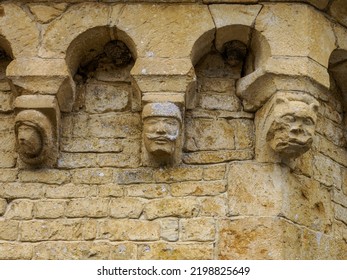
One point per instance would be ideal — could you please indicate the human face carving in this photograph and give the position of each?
(292, 129)
(160, 135)
(29, 141)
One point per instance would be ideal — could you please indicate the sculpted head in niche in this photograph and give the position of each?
(33, 136)
(161, 129)
(293, 122)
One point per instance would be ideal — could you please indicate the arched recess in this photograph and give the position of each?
(338, 83)
(88, 48)
(6, 57)
(214, 115)
(240, 49)
(106, 104)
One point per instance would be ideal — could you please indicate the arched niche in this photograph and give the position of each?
(90, 44)
(338, 72)
(248, 45)
(338, 83)
(105, 115)
(6, 57)
(88, 48)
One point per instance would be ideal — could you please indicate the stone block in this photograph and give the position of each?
(129, 158)
(74, 125)
(6, 102)
(198, 188)
(138, 19)
(15, 251)
(177, 251)
(47, 176)
(8, 175)
(244, 133)
(87, 207)
(20, 209)
(20, 190)
(45, 13)
(7, 142)
(111, 190)
(228, 16)
(85, 145)
(340, 213)
(95, 250)
(103, 98)
(56, 45)
(115, 125)
(8, 230)
(123, 251)
(332, 131)
(287, 35)
(327, 171)
(134, 176)
(97, 176)
(338, 10)
(147, 190)
(317, 246)
(208, 157)
(253, 189)
(70, 191)
(214, 206)
(24, 39)
(169, 229)
(3, 206)
(8, 159)
(213, 101)
(344, 180)
(49, 209)
(307, 203)
(214, 172)
(6, 122)
(178, 174)
(329, 149)
(135, 230)
(60, 229)
(126, 207)
(257, 238)
(77, 160)
(208, 134)
(172, 207)
(198, 229)
(223, 86)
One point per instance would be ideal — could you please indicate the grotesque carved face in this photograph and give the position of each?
(293, 127)
(29, 141)
(160, 135)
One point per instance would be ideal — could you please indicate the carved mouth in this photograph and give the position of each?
(160, 140)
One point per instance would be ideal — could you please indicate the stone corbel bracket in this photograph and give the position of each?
(300, 74)
(283, 84)
(38, 142)
(44, 77)
(162, 116)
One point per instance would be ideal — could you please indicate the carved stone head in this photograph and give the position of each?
(161, 130)
(293, 121)
(34, 136)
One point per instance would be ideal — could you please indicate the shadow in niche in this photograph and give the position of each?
(338, 83)
(109, 69)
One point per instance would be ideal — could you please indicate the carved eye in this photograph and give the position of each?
(288, 118)
(308, 121)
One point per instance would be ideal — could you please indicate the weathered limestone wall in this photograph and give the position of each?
(99, 192)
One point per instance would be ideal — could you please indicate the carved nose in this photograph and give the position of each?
(160, 129)
(297, 129)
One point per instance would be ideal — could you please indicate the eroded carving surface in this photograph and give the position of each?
(161, 131)
(293, 121)
(34, 137)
